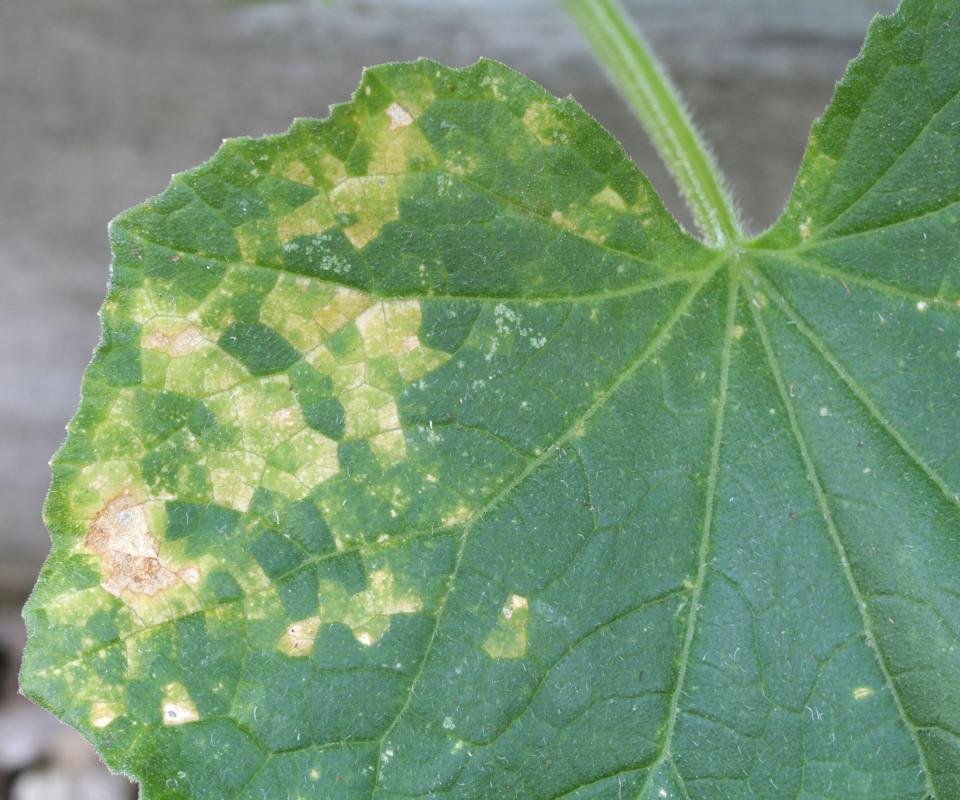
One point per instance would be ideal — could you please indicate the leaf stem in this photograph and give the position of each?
(648, 90)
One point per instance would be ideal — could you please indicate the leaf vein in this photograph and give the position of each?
(834, 534)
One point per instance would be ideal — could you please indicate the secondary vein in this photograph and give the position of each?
(827, 514)
(858, 391)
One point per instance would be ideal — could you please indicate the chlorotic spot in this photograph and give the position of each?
(609, 197)
(399, 116)
(508, 639)
(102, 714)
(177, 342)
(366, 613)
(177, 708)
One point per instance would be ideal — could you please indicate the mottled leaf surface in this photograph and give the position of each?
(425, 455)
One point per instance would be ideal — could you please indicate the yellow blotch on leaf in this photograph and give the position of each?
(385, 343)
(391, 329)
(577, 226)
(299, 637)
(609, 197)
(313, 217)
(306, 311)
(177, 707)
(371, 200)
(366, 613)
(102, 714)
(388, 330)
(76, 607)
(508, 639)
(177, 340)
(298, 172)
(333, 168)
(544, 123)
(396, 142)
(345, 305)
(234, 474)
(319, 453)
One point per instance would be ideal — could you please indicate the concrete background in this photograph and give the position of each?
(100, 100)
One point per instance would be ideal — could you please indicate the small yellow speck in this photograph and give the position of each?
(862, 692)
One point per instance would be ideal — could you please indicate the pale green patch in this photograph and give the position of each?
(294, 306)
(371, 200)
(78, 606)
(609, 196)
(598, 218)
(508, 638)
(235, 475)
(298, 172)
(544, 123)
(314, 216)
(203, 372)
(460, 513)
(345, 305)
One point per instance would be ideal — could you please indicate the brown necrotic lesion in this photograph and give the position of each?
(130, 559)
(120, 535)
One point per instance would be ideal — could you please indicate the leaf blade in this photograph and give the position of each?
(547, 504)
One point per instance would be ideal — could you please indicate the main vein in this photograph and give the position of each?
(705, 535)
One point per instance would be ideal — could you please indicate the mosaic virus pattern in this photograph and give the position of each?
(426, 456)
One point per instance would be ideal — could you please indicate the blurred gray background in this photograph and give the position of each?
(101, 100)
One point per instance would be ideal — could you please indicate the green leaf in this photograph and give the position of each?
(425, 455)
